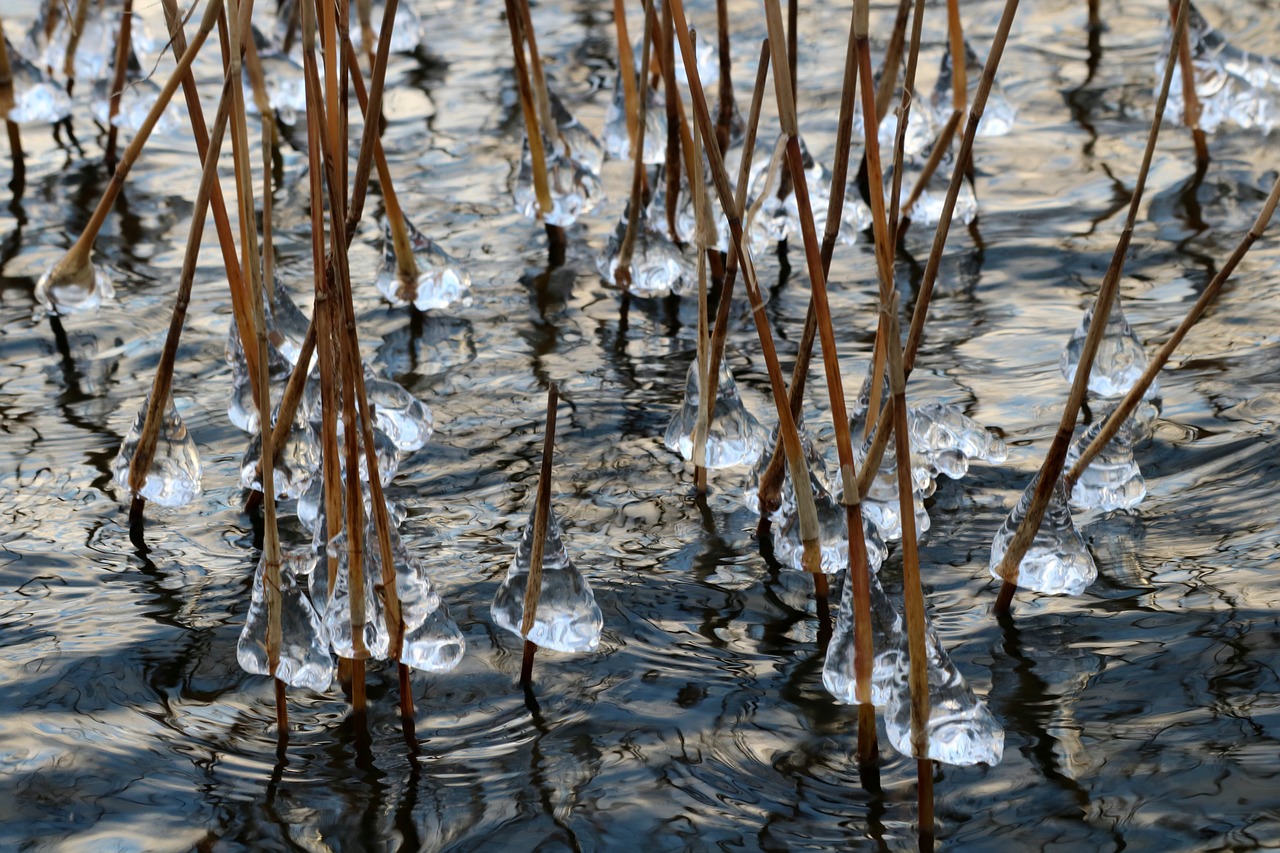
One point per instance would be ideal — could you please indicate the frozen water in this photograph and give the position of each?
(287, 326)
(999, 113)
(960, 729)
(617, 142)
(568, 618)
(573, 141)
(241, 409)
(441, 283)
(1057, 563)
(1112, 480)
(304, 648)
(36, 98)
(136, 101)
(337, 613)
(405, 419)
(735, 436)
(174, 476)
(888, 642)
(295, 463)
(84, 291)
(575, 189)
(1120, 361)
(658, 266)
(407, 33)
(948, 439)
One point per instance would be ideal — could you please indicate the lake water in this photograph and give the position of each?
(1144, 714)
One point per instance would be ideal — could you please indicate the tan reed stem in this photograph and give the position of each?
(703, 423)
(892, 58)
(805, 509)
(1134, 396)
(631, 100)
(671, 168)
(959, 58)
(904, 118)
(636, 210)
(1051, 468)
(1190, 97)
(117, 80)
(160, 386)
(541, 517)
(537, 152)
(6, 104)
(73, 40)
(74, 267)
(541, 94)
(724, 119)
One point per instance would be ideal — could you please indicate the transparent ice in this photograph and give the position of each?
(573, 141)
(432, 640)
(174, 476)
(568, 618)
(1120, 361)
(575, 189)
(442, 281)
(960, 729)
(136, 101)
(337, 612)
(304, 648)
(999, 113)
(36, 98)
(1112, 480)
(407, 34)
(241, 408)
(296, 463)
(686, 220)
(405, 419)
(735, 436)
(888, 642)
(1057, 563)
(287, 326)
(85, 291)
(658, 266)
(617, 142)
(948, 439)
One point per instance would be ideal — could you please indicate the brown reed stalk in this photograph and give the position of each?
(632, 103)
(720, 335)
(925, 290)
(406, 266)
(249, 262)
(118, 79)
(541, 517)
(959, 58)
(892, 58)
(73, 41)
(6, 104)
(217, 205)
(1054, 460)
(1134, 396)
(161, 385)
(1190, 97)
(671, 168)
(805, 509)
(724, 119)
(364, 14)
(904, 119)
(258, 82)
(636, 209)
(704, 243)
(532, 125)
(541, 93)
(74, 267)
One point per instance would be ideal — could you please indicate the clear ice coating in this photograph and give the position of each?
(407, 31)
(136, 101)
(779, 218)
(1112, 480)
(84, 291)
(735, 436)
(405, 419)
(337, 613)
(928, 207)
(573, 141)
(442, 281)
(296, 463)
(568, 618)
(1235, 87)
(881, 505)
(960, 729)
(432, 640)
(948, 439)
(311, 504)
(287, 326)
(999, 113)
(575, 189)
(304, 648)
(241, 408)
(617, 141)
(833, 535)
(1057, 563)
(36, 98)
(174, 476)
(888, 643)
(658, 267)
(286, 88)
(1121, 358)
(686, 219)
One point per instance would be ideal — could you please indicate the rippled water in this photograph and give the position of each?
(1143, 714)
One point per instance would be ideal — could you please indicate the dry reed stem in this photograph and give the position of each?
(161, 384)
(217, 205)
(74, 265)
(6, 104)
(703, 422)
(364, 14)
(542, 95)
(1134, 396)
(912, 590)
(631, 101)
(121, 64)
(959, 58)
(724, 119)
(258, 82)
(527, 105)
(636, 210)
(1054, 460)
(805, 510)
(904, 119)
(892, 58)
(73, 40)
(925, 291)
(671, 167)
(1190, 98)
(924, 804)
(541, 518)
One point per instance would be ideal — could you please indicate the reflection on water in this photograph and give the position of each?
(1140, 715)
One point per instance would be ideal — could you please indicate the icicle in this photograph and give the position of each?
(1120, 361)
(1112, 480)
(1057, 563)
(735, 437)
(174, 476)
(442, 281)
(304, 648)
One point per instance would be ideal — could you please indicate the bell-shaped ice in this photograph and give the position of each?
(304, 648)
(568, 618)
(881, 505)
(36, 98)
(960, 729)
(575, 189)
(296, 463)
(572, 140)
(405, 419)
(1120, 361)
(287, 326)
(1057, 563)
(432, 640)
(1112, 480)
(658, 266)
(441, 281)
(242, 410)
(617, 141)
(173, 479)
(338, 611)
(888, 642)
(735, 437)
(85, 290)
(999, 113)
